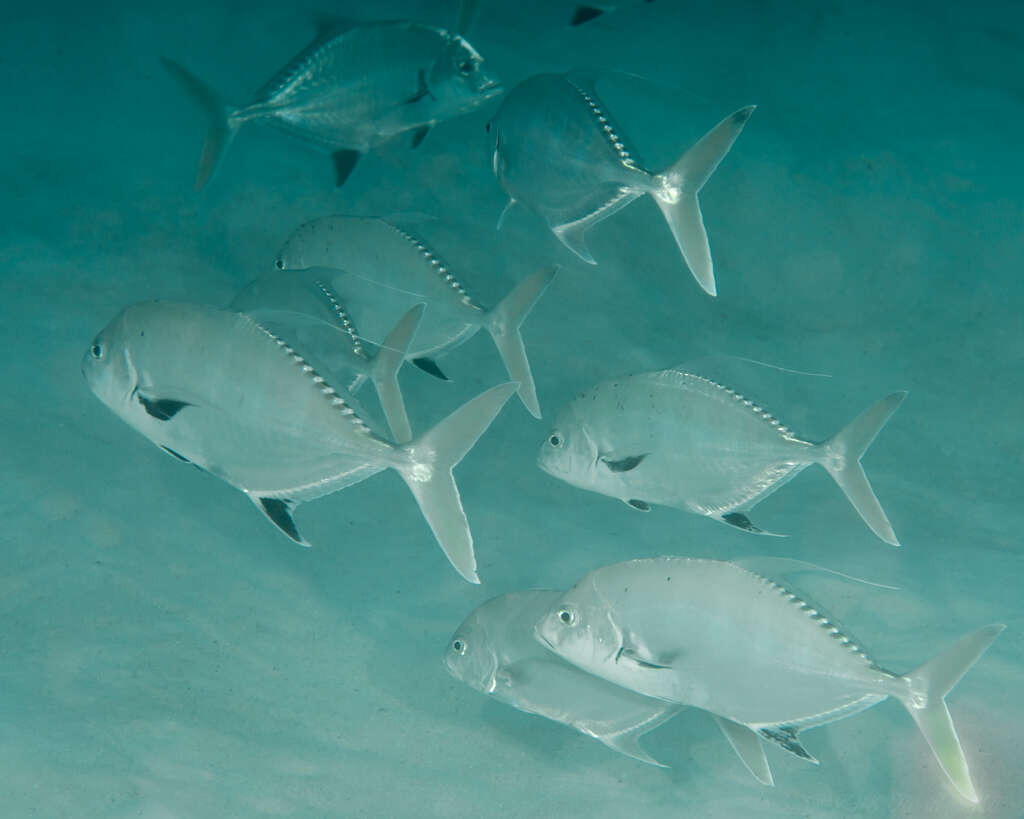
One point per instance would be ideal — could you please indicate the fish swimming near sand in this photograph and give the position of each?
(382, 269)
(678, 439)
(751, 651)
(215, 388)
(355, 86)
(495, 652)
(558, 151)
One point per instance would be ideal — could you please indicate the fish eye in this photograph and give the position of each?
(567, 616)
(96, 350)
(555, 440)
(459, 646)
(280, 264)
(487, 127)
(466, 67)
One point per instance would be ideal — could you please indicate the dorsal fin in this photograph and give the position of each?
(329, 393)
(435, 261)
(783, 430)
(585, 84)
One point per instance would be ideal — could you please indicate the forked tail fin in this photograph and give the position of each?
(926, 702)
(503, 324)
(677, 188)
(384, 372)
(221, 129)
(429, 473)
(841, 457)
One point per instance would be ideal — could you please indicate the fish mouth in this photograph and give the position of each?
(539, 636)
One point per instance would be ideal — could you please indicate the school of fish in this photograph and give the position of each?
(263, 393)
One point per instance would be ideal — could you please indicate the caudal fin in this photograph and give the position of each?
(841, 457)
(429, 473)
(221, 130)
(926, 702)
(677, 189)
(503, 324)
(384, 372)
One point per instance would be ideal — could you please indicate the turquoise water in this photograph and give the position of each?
(166, 653)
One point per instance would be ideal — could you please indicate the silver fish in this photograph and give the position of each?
(355, 86)
(382, 269)
(679, 439)
(217, 389)
(750, 651)
(314, 317)
(494, 651)
(558, 151)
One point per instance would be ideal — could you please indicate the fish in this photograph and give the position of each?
(217, 389)
(494, 651)
(751, 651)
(382, 268)
(314, 316)
(679, 439)
(585, 12)
(559, 152)
(353, 87)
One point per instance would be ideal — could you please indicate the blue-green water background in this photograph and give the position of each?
(166, 653)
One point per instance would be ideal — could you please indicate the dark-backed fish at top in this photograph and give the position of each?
(355, 86)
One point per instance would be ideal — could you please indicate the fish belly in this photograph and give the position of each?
(739, 646)
(706, 451)
(254, 408)
(261, 459)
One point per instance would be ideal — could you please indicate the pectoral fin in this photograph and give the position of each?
(643, 506)
(785, 737)
(628, 654)
(279, 512)
(741, 521)
(344, 162)
(163, 409)
(422, 91)
(747, 744)
(623, 464)
(177, 455)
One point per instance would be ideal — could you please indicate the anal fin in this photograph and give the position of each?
(785, 737)
(571, 236)
(344, 162)
(741, 521)
(418, 135)
(279, 512)
(428, 365)
(747, 745)
(628, 742)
